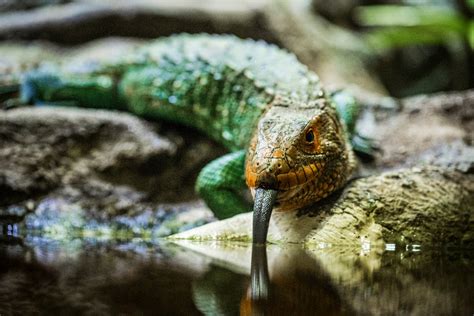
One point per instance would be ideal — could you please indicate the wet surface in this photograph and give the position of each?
(138, 277)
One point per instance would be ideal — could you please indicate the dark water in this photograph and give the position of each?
(135, 277)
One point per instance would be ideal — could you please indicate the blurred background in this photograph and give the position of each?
(394, 47)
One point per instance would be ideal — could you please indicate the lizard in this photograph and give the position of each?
(289, 140)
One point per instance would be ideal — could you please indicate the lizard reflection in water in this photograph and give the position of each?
(294, 284)
(301, 288)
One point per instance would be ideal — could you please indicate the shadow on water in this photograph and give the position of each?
(136, 277)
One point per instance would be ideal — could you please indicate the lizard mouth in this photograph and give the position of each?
(297, 187)
(283, 181)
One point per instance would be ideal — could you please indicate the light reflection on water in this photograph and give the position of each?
(90, 276)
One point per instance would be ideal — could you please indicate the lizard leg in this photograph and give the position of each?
(349, 110)
(221, 183)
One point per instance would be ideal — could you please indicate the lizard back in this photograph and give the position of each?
(219, 84)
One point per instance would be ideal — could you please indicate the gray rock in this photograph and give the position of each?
(418, 190)
(84, 168)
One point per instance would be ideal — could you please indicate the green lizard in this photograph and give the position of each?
(285, 137)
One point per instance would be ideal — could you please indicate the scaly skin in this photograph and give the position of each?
(257, 100)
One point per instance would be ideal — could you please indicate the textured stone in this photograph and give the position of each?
(427, 198)
(102, 165)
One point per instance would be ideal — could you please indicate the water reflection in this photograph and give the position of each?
(290, 280)
(298, 286)
(218, 291)
(256, 299)
(136, 277)
(77, 277)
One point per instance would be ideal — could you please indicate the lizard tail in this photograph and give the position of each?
(53, 88)
(27, 90)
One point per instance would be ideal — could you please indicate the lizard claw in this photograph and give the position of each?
(365, 147)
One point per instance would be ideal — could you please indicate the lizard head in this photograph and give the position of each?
(301, 152)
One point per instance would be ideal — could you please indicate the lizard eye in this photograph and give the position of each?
(309, 136)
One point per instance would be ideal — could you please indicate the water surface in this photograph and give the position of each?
(137, 277)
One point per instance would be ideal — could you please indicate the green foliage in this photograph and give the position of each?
(397, 26)
(471, 34)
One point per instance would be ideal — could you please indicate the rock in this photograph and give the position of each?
(13, 5)
(339, 57)
(413, 206)
(80, 21)
(433, 129)
(90, 168)
(426, 198)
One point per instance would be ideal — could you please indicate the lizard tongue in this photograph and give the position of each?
(262, 211)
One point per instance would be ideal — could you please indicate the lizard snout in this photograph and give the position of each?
(263, 173)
